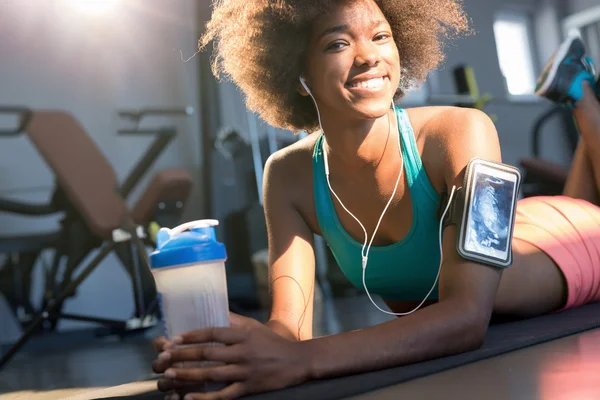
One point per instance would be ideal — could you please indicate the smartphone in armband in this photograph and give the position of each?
(486, 225)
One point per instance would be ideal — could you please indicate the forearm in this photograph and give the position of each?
(435, 331)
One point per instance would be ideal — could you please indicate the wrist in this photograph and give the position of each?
(306, 362)
(281, 330)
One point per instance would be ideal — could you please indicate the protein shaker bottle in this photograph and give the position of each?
(189, 269)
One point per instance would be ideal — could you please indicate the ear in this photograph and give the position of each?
(300, 88)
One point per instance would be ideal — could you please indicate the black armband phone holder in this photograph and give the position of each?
(455, 211)
(483, 210)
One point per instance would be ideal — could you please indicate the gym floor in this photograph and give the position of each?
(563, 369)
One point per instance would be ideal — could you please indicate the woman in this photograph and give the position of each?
(354, 58)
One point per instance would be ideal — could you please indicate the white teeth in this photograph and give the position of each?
(371, 83)
(375, 82)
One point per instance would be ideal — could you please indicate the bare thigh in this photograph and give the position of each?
(533, 285)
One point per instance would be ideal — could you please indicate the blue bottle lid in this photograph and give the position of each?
(191, 242)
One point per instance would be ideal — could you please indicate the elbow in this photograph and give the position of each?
(470, 326)
(474, 331)
(474, 341)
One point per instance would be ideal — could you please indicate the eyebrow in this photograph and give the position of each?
(334, 29)
(345, 27)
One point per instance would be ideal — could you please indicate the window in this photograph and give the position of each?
(515, 55)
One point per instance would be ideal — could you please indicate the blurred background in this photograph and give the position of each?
(114, 87)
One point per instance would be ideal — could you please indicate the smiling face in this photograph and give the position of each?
(352, 63)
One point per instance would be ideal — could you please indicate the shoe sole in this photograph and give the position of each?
(562, 52)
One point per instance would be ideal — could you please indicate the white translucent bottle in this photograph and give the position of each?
(189, 269)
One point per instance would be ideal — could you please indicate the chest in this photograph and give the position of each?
(384, 201)
(382, 204)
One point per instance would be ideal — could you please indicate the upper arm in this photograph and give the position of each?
(468, 134)
(291, 255)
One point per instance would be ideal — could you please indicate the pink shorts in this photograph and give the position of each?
(568, 230)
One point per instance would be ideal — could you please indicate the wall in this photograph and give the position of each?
(55, 57)
(574, 6)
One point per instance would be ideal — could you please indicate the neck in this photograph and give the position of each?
(359, 145)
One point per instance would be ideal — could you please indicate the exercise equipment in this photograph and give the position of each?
(164, 198)
(244, 227)
(245, 230)
(22, 252)
(162, 202)
(466, 85)
(94, 216)
(501, 338)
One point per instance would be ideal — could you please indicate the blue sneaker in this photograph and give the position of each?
(562, 78)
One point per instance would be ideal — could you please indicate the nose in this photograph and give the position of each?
(367, 54)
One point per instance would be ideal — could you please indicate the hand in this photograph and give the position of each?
(253, 359)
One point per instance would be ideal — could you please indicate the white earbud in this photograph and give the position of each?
(304, 85)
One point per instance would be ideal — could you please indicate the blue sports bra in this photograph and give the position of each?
(402, 271)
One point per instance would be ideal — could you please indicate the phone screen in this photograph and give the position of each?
(489, 215)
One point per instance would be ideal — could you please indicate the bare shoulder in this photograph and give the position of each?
(452, 136)
(289, 171)
(452, 124)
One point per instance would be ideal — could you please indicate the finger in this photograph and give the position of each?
(166, 385)
(217, 334)
(221, 373)
(227, 354)
(232, 391)
(159, 366)
(160, 343)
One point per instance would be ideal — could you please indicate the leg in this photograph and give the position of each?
(584, 179)
(542, 228)
(581, 183)
(568, 78)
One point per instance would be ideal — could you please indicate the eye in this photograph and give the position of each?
(382, 36)
(335, 46)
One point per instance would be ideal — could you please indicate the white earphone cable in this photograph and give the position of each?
(365, 254)
(438, 272)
